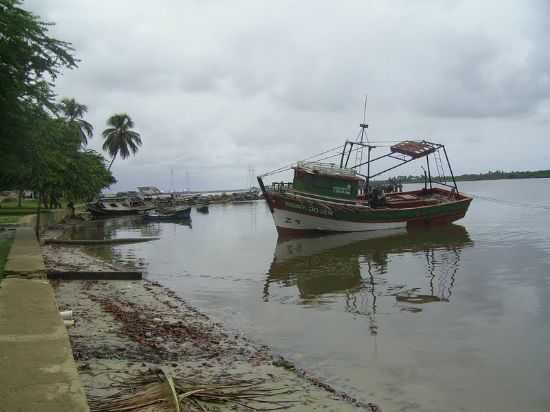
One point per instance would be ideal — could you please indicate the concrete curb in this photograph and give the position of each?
(37, 368)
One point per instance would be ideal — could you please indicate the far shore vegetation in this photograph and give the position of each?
(491, 175)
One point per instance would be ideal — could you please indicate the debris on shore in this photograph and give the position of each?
(125, 329)
(174, 393)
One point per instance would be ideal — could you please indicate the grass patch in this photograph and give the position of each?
(5, 219)
(28, 207)
(5, 245)
(25, 204)
(16, 212)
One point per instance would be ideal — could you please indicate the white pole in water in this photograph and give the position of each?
(172, 180)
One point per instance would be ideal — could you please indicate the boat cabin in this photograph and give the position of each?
(327, 180)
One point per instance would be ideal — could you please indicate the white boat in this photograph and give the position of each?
(118, 206)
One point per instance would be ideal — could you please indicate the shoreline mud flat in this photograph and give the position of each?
(125, 328)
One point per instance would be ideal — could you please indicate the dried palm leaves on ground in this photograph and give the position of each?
(157, 391)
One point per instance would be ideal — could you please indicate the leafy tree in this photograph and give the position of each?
(60, 169)
(88, 177)
(38, 151)
(74, 115)
(30, 61)
(120, 138)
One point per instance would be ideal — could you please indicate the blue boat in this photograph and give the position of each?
(168, 214)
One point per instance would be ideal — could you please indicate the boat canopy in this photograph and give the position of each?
(414, 149)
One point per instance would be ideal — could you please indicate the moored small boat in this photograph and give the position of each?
(180, 213)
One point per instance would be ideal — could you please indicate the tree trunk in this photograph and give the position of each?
(37, 226)
(19, 197)
(114, 157)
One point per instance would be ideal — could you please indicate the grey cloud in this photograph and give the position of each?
(216, 86)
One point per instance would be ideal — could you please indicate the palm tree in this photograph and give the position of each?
(119, 138)
(74, 114)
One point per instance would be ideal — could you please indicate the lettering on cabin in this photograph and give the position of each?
(342, 190)
(322, 211)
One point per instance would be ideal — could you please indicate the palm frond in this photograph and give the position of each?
(132, 146)
(157, 387)
(123, 150)
(86, 127)
(107, 132)
(72, 109)
(135, 136)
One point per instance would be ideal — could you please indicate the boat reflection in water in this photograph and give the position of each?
(363, 267)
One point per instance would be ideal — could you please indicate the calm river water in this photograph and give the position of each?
(455, 318)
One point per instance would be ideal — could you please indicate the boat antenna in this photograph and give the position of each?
(364, 126)
(362, 137)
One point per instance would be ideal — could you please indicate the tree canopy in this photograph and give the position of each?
(40, 151)
(30, 61)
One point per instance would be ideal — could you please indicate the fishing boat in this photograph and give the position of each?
(118, 206)
(343, 197)
(176, 213)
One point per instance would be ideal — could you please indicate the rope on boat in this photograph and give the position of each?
(314, 157)
(380, 143)
(511, 202)
(289, 166)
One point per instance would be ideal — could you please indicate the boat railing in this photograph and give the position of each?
(279, 187)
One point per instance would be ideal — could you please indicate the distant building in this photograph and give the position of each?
(149, 191)
(131, 193)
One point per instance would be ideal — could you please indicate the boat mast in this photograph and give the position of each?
(364, 126)
(364, 138)
(362, 141)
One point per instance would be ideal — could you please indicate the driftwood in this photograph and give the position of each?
(98, 241)
(89, 275)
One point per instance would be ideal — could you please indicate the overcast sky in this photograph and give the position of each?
(216, 87)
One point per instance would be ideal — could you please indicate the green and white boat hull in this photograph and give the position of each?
(299, 213)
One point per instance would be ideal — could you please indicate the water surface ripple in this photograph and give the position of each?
(449, 319)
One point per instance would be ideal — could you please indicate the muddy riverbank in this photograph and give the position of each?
(123, 328)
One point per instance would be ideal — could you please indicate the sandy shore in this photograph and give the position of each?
(126, 327)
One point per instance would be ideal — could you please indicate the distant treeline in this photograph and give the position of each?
(490, 175)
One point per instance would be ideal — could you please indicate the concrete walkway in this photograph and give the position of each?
(25, 258)
(37, 369)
